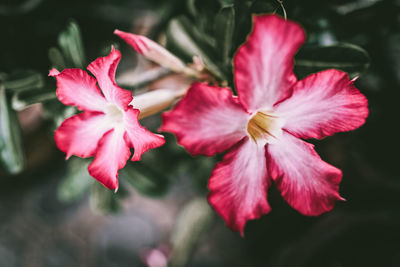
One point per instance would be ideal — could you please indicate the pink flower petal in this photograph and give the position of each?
(53, 72)
(80, 134)
(76, 87)
(104, 69)
(207, 120)
(238, 185)
(111, 156)
(322, 104)
(307, 183)
(263, 65)
(153, 51)
(138, 137)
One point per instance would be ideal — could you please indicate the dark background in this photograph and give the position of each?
(38, 230)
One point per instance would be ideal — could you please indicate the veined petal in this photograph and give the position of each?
(263, 66)
(238, 185)
(138, 137)
(112, 154)
(76, 87)
(208, 120)
(80, 134)
(103, 68)
(307, 183)
(322, 104)
(154, 52)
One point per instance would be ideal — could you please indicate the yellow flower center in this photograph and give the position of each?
(264, 127)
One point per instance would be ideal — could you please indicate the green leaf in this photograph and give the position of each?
(224, 29)
(11, 150)
(181, 36)
(70, 42)
(225, 3)
(57, 59)
(23, 99)
(144, 179)
(347, 57)
(102, 200)
(76, 180)
(23, 80)
(192, 223)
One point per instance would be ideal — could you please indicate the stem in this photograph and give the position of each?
(283, 8)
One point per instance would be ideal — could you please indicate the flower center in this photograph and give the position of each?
(114, 113)
(264, 127)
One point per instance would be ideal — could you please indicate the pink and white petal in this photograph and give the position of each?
(323, 104)
(76, 87)
(53, 72)
(307, 183)
(153, 51)
(104, 68)
(80, 134)
(138, 137)
(263, 65)
(208, 120)
(111, 156)
(238, 185)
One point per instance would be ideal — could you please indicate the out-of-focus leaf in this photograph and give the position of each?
(70, 42)
(225, 3)
(180, 37)
(23, 80)
(56, 111)
(18, 7)
(193, 221)
(191, 6)
(264, 6)
(76, 181)
(23, 99)
(103, 200)
(57, 59)
(224, 29)
(349, 58)
(242, 20)
(146, 180)
(11, 150)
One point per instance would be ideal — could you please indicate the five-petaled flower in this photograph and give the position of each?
(108, 126)
(263, 127)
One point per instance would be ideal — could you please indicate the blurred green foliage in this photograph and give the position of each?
(11, 150)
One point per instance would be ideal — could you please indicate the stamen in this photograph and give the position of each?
(262, 126)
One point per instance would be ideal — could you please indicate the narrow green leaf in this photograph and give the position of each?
(347, 57)
(11, 150)
(57, 59)
(146, 180)
(23, 99)
(191, 6)
(225, 3)
(180, 35)
(76, 180)
(192, 223)
(224, 29)
(23, 80)
(70, 42)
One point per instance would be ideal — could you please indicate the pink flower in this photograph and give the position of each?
(108, 126)
(263, 127)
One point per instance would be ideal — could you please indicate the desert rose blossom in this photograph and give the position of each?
(262, 128)
(108, 126)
